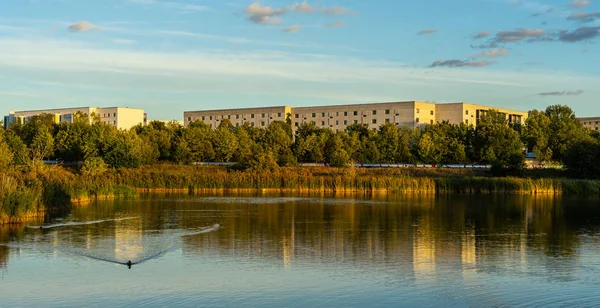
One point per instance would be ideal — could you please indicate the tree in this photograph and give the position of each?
(336, 155)
(582, 159)
(495, 140)
(393, 144)
(536, 135)
(564, 131)
(42, 145)
(199, 140)
(225, 143)
(6, 155)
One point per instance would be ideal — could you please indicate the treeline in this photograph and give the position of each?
(554, 135)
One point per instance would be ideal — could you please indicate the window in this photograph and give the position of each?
(296, 115)
(229, 117)
(374, 112)
(345, 122)
(337, 114)
(252, 116)
(262, 115)
(322, 123)
(115, 122)
(211, 126)
(431, 112)
(374, 121)
(202, 118)
(466, 112)
(387, 111)
(387, 120)
(355, 113)
(279, 114)
(189, 119)
(337, 122)
(417, 120)
(237, 116)
(467, 122)
(323, 114)
(115, 114)
(418, 110)
(431, 122)
(210, 118)
(262, 123)
(355, 121)
(237, 124)
(345, 113)
(296, 124)
(251, 124)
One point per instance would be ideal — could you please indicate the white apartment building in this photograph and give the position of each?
(120, 117)
(590, 123)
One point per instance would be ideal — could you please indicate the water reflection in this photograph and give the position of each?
(449, 245)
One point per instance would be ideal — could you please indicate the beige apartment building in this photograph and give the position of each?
(338, 117)
(120, 117)
(591, 123)
(256, 117)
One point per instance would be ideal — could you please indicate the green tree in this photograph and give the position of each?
(336, 154)
(496, 140)
(565, 131)
(536, 135)
(6, 155)
(42, 145)
(225, 143)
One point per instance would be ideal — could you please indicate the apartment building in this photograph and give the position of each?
(591, 123)
(256, 117)
(338, 117)
(120, 117)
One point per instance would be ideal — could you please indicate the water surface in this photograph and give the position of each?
(308, 251)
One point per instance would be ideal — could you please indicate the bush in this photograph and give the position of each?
(93, 166)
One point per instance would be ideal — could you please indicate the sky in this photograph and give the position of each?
(170, 56)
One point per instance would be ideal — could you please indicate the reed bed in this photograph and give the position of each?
(31, 194)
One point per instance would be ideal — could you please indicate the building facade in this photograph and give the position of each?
(338, 117)
(120, 117)
(591, 123)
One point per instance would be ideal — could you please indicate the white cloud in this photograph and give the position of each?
(263, 14)
(302, 7)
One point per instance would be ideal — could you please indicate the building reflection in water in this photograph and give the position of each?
(418, 237)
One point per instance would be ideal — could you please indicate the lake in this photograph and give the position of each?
(281, 250)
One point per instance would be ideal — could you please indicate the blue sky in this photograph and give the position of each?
(176, 55)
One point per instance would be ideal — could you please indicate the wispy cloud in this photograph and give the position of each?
(494, 53)
(335, 25)
(580, 3)
(182, 7)
(302, 7)
(482, 34)
(292, 29)
(82, 26)
(336, 11)
(460, 63)
(584, 17)
(264, 14)
(427, 31)
(562, 93)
